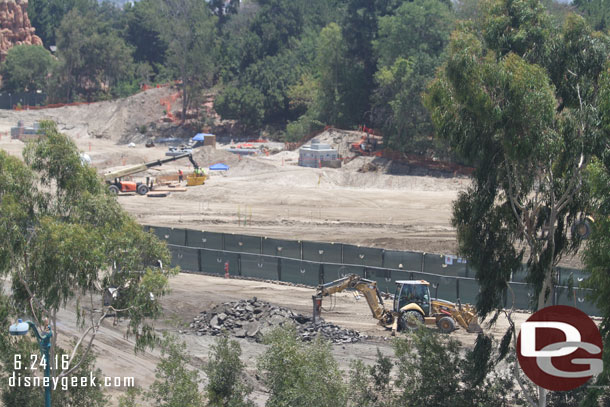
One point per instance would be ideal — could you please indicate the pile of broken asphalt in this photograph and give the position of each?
(254, 318)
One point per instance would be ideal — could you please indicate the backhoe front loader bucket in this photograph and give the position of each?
(474, 327)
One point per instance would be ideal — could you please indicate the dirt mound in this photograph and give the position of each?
(238, 166)
(340, 140)
(254, 318)
(121, 120)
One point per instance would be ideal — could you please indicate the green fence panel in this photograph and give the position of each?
(242, 243)
(383, 277)
(300, 272)
(576, 297)
(213, 262)
(259, 266)
(448, 265)
(523, 296)
(443, 287)
(196, 238)
(520, 275)
(170, 235)
(322, 252)
(584, 304)
(395, 259)
(334, 272)
(362, 256)
(207, 240)
(161, 232)
(214, 240)
(574, 275)
(177, 237)
(185, 257)
(282, 248)
(469, 291)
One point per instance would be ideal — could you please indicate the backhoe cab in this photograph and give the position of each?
(413, 303)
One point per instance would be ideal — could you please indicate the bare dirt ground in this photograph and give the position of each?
(192, 294)
(266, 196)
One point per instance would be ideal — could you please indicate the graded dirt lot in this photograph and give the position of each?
(192, 294)
(267, 196)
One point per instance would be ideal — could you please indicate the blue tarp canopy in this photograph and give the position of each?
(219, 167)
(201, 136)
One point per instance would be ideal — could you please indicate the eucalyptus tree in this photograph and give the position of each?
(65, 239)
(189, 30)
(521, 102)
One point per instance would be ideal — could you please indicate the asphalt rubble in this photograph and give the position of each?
(253, 318)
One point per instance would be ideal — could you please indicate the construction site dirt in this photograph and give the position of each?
(265, 196)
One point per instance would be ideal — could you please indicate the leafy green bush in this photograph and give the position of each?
(226, 387)
(175, 384)
(298, 374)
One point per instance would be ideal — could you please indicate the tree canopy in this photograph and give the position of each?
(65, 238)
(26, 69)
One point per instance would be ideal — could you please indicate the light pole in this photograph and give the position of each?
(44, 341)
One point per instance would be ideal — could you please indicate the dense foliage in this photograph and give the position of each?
(287, 66)
(64, 241)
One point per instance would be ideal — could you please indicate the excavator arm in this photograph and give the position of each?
(368, 288)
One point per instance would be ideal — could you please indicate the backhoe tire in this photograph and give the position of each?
(142, 189)
(113, 189)
(411, 320)
(446, 324)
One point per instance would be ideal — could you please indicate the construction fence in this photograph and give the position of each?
(313, 263)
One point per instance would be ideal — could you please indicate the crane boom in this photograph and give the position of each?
(110, 176)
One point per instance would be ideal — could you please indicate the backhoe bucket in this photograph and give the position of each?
(474, 327)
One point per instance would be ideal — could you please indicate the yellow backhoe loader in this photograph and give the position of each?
(412, 305)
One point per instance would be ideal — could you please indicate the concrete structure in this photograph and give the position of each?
(314, 154)
(25, 133)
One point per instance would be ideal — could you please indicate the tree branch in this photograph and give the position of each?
(513, 205)
(95, 329)
(529, 398)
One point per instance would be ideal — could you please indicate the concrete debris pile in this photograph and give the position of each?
(254, 318)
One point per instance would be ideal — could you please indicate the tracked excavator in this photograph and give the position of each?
(412, 306)
(116, 184)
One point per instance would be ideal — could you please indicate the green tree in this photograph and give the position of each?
(26, 68)
(226, 387)
(369, 386)
(175, 385)
(298, 374)
(529, 132)
(331, 59)
(433, 372)
(597, 13)
(64, 238)
(410, 46)
(92, 57)
(143, 33)
(189, 30)
(245, 104)
(597, 253)
(46, 15)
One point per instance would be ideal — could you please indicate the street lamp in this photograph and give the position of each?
(44, 341)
